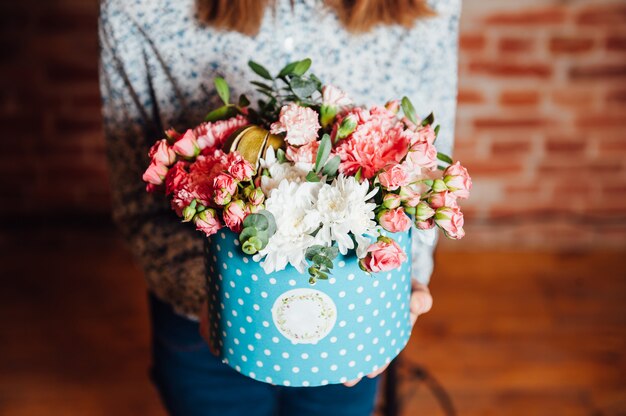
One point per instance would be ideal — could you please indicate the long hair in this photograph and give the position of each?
(356, 15)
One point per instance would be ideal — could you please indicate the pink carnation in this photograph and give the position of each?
(394, 220)
(377, 141)
(382, 256)
(212, 136)
(224, 186)
(176, 177)
(423, 155)
(303, 154)
(300, 123)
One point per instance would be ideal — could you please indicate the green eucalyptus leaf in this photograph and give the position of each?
(331, 167)
(256, 221)
(302, 88)
(323, 152)
(317, 81)
(331, 252)
(271, 227)
(222, 113)
(313, 251)
(222, 89)
(247, 233)
(260, 70)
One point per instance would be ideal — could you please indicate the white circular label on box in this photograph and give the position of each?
(304, 316)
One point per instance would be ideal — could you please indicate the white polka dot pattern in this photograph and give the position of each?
(370, 328)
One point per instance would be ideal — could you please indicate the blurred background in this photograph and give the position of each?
(530, 308)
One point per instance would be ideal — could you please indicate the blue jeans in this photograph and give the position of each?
(193, 382)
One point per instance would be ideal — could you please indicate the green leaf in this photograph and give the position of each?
(358, 175)
(288, 69)
(323, 152)
(222, 89)
(313, 251)
(262, 85)
(260, 70)
(428, 120)
(257, 221)
(243, 101)
(331, 167)
(312, 177)
(222, 113)
(444, 158)
(301, 67)
(437, 130)
(331, 252)
(409, 110)
(247, 233)
(302, 88)
(281, 156)
(271, 229)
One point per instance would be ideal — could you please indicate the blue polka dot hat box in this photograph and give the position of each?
(280, 329)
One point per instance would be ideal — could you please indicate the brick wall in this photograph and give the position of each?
(541, 121)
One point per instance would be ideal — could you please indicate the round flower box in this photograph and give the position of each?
(278, 328)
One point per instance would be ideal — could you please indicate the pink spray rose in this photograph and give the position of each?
(234, 214)
(457, 180)
(207, 222)
(224, 187)
(426, 134)
(162, 153)
(394, 220)
(443, 199)
(187, 146)
(256, 197)
(300, 123)
(155, 173)
(382, 256)
(423, 154)
(451, 222)
(426, 224)
(392, 201)
(239, 167)
(393, 177)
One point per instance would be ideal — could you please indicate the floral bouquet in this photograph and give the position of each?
(309, 187)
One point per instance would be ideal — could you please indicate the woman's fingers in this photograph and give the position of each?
(352, 383)
(378, 372)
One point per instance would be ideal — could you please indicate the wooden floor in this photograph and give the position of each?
(510, 333)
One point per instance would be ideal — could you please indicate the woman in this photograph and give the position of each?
(158, 58)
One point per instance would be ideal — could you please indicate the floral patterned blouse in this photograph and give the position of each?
(157, 66)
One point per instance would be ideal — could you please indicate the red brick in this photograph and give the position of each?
(536, 17)
(467, 96)
(510, 123)
(597, 72)
(574, 98)
(570, 45)
(471, 42)
(508, 69)
(493, 168)
(515, 45)
(519, 98)
(600, 121)
(616, 43)
(566, 146)
(602, 15)
(507, 148)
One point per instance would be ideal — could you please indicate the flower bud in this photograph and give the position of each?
(424, 211)
(393, 106)
(391, 201)
(425, 225)
(256, 196)
(347, 126)
(187, 146)
(439, 185)
(188, 213)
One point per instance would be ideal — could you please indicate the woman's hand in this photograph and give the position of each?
(421, 302)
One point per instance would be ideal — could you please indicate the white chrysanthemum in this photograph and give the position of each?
(279, 172)
(342, 208)
(291, 204)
